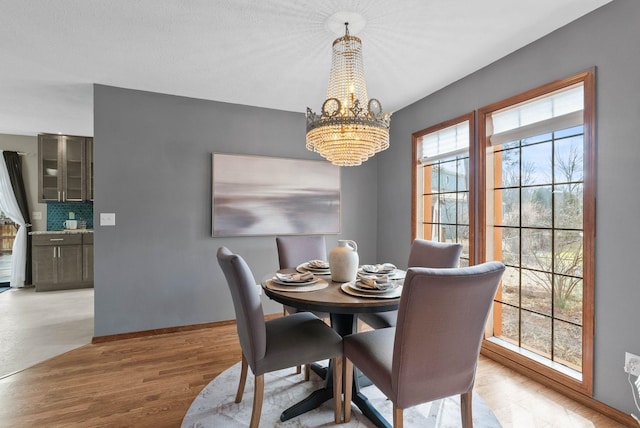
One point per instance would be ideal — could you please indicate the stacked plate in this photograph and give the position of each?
(381, 269)
(376, 287)
(318, 267)
(360, 287)
(373, 283)
(386, 269)
(295, 279)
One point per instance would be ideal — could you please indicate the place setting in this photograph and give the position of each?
(377, 281)
(318, 267)
(298, 282)
(383, 269)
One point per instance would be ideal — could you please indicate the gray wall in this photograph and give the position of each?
(29, 146)
(608, 39)
(156, 268)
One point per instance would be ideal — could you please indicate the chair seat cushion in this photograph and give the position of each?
(380, 319)
(297, 339)
(372, 353)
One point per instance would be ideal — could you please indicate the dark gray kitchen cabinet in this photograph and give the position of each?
(87, 258)
(59, 262)
(89, 169)
(62, 168)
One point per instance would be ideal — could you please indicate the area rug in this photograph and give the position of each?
(215, 406)
(3, 289)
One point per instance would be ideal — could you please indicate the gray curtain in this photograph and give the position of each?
(14, 168)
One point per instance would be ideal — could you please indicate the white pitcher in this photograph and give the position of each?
(343, 261)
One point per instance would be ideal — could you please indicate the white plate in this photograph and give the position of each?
(357, 287)
(304, 267)
(385, 272)
(319, 285)
(394, 274)
(295, 283)
(393, 294)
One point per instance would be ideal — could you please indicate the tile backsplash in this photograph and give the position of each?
(58, 212)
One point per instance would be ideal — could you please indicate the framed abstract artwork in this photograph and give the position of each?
(259, 195)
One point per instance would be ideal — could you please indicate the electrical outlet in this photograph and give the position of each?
(631, 364)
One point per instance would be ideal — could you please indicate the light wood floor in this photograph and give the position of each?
(151, 381)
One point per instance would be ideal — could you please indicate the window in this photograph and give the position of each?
(442, 189)
(532, 181)
(536, 213)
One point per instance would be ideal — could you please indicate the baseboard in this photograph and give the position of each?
(178, 329)
(59, 287)
(583, 399)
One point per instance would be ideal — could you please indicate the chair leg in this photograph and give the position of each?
(307, 371)
(258, 395)
(298, 369)
(397, 417)
(337, 390)
(347, 365)
(466, 410)
(243, 379)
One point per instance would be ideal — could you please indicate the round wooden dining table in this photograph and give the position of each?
(343, 310)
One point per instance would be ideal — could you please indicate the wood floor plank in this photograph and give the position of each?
(151, 382)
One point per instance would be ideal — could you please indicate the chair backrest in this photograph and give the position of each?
(246, 302)
(441, 320)
(296, 249)
(434, 254)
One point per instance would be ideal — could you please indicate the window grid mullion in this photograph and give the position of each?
(553, 245)
(520, 246)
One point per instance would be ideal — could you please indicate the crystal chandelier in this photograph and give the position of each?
(351, 127)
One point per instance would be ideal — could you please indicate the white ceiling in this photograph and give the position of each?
(266, 53)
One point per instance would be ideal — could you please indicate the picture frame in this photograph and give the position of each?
(260, 195)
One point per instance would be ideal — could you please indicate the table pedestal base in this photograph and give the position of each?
(319, 370)
(344, 324)
(311, 402)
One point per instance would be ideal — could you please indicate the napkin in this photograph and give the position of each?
(375, 282)
(295, 277)
(318, 264)
(379, 268)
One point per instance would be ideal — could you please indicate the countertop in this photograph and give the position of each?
(60, 232)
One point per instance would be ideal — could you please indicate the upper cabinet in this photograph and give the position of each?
(89, 168)
(65, 168)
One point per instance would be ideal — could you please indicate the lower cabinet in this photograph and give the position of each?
(61, 261)
(87, 258)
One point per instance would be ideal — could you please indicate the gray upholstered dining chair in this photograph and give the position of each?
(279, 343)
(293, 250)
(431, 354)
(423, 253)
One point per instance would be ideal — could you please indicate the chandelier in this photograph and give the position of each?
(351, 127)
